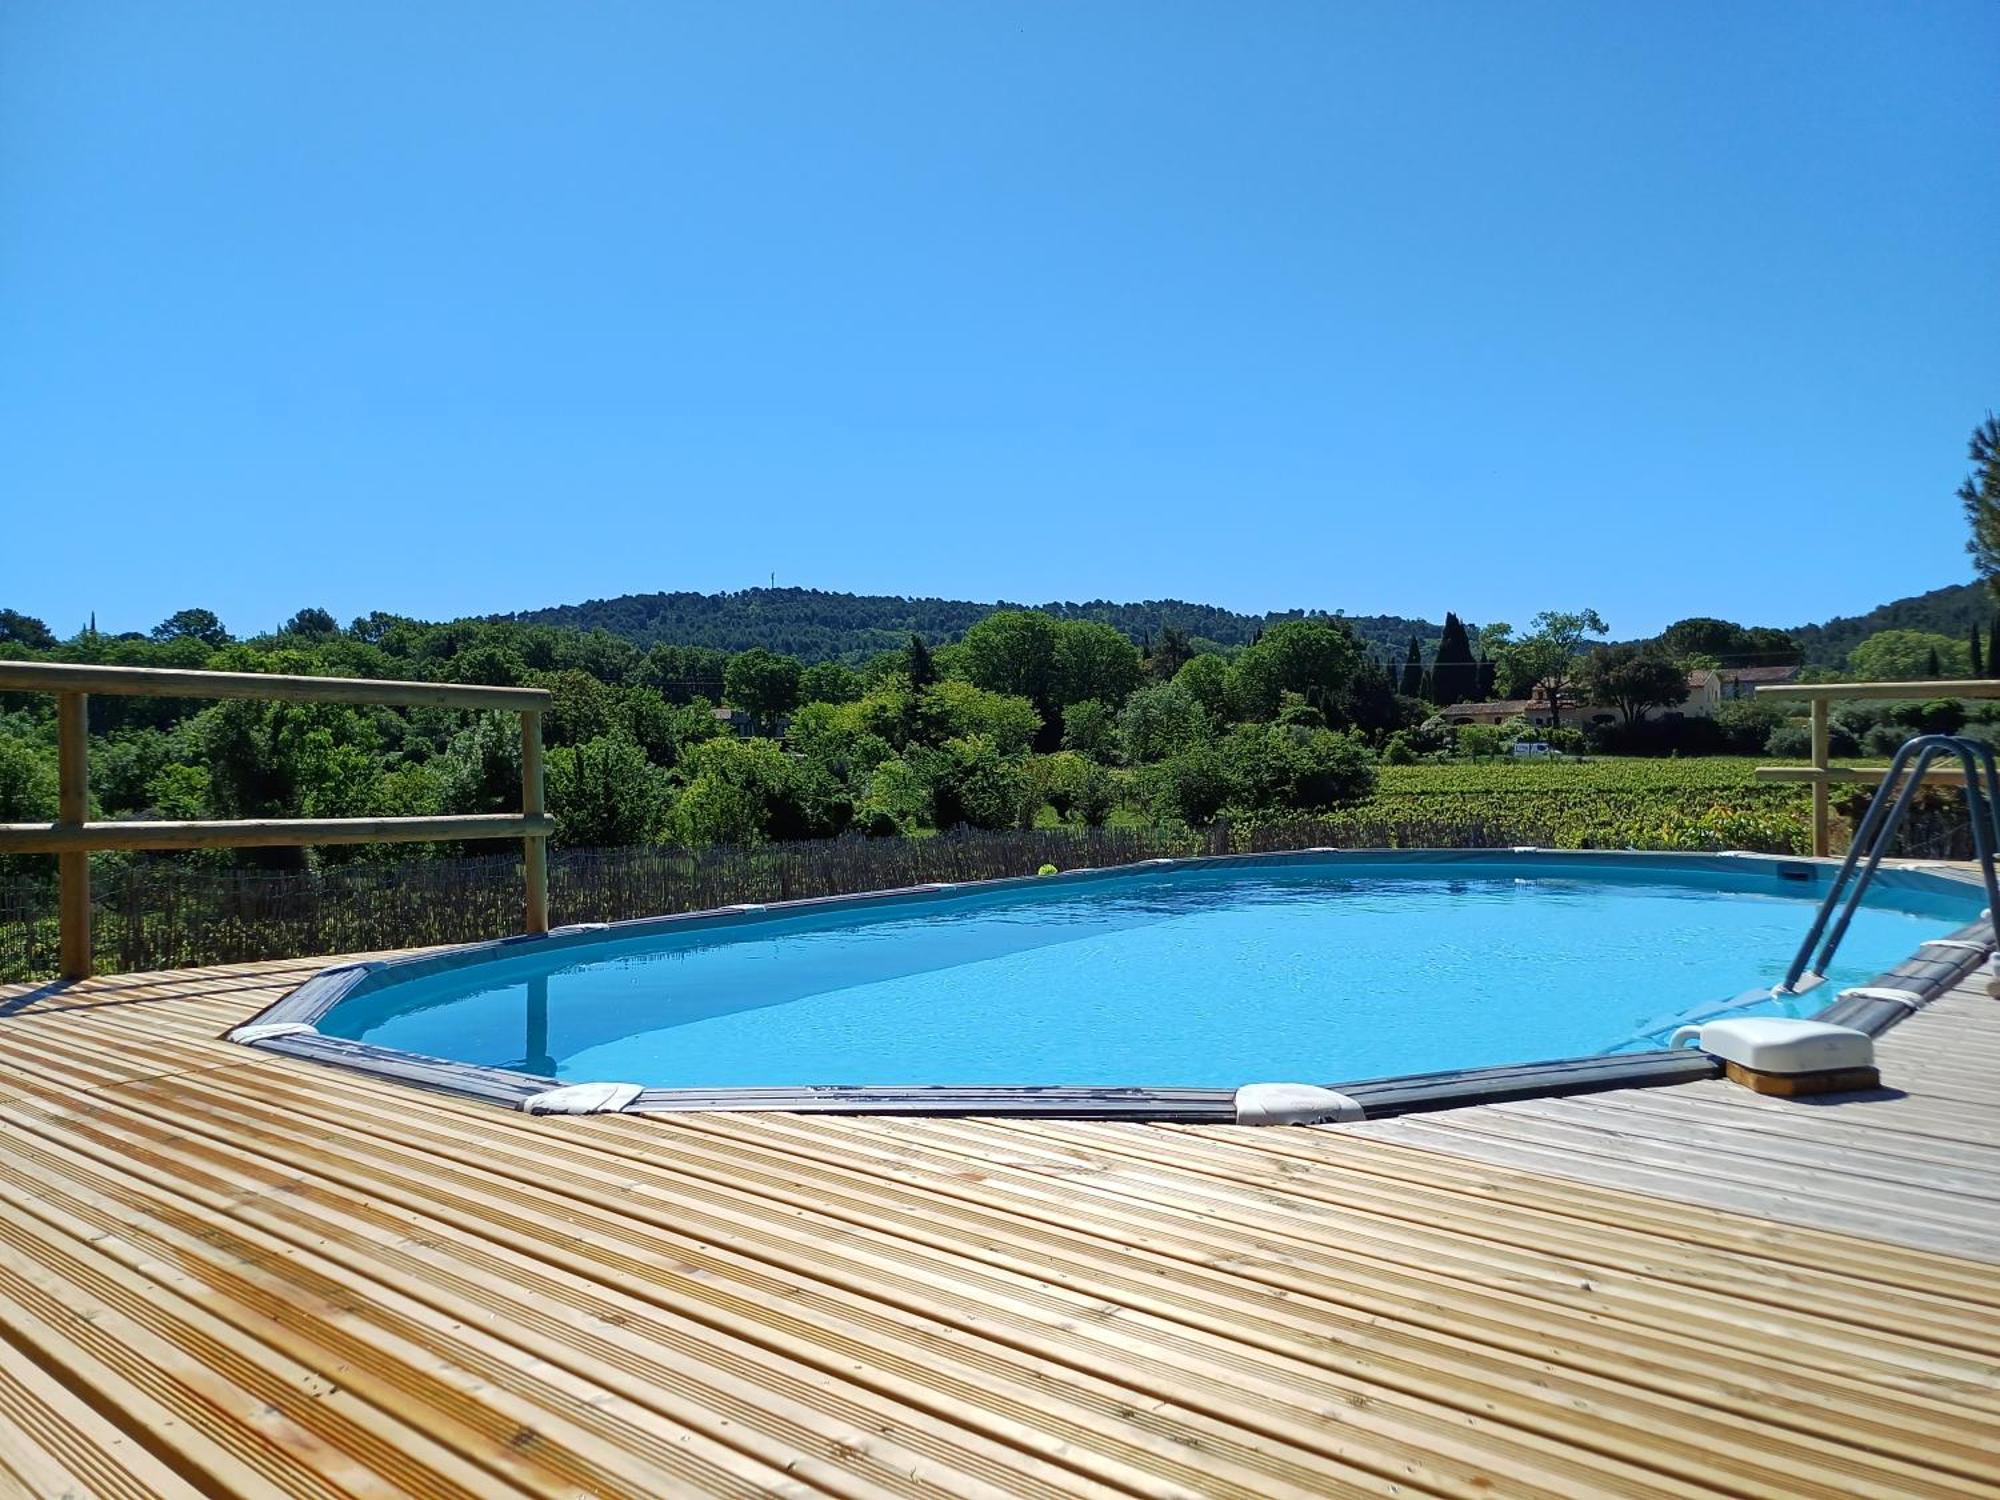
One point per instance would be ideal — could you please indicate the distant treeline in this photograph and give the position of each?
(815, 625)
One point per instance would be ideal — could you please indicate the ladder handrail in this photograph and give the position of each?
(1880, 824)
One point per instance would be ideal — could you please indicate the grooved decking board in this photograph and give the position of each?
(1915, 1163)
(226, 1272)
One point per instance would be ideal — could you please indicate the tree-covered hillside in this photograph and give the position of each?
(1951, 611)
(816, 625)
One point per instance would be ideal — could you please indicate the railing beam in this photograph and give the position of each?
(1822, 832)
(71, 840)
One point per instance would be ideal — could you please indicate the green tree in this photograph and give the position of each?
(918, 664)
(25, 630)
(1172, 651)
(1979, 496)
(604, 794)
(193, 625)
(311, 623)
(1634, 680)
(1316, 659)
(1013, 651)
(1977, 661)
(762, 684)
(1547, 658)
(1211, 682)
(1454, 676)
(829, 682)
(1160, 720)
(1094, 661)
(1090, 729)
(972, 785)
(1412, 685)
(1907, 656)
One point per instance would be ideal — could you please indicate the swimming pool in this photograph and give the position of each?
(1174, 981)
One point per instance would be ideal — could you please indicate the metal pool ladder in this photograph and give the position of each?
(1878, 828)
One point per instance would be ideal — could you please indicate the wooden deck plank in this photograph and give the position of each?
(236, 1273)
(1915, 1163)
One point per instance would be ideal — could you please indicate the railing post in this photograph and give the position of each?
(535, 848)
(1821, 792)
(73, 811)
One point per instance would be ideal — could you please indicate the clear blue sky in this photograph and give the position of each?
(1394, 307)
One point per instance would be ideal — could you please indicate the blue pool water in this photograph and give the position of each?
(1188, 976)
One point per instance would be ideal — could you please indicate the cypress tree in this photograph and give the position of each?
(923, 670)
(1454, 673)
(1993, 647)
(1933, 668)
(1413, 671)
(1978, 664)
(1488, 671)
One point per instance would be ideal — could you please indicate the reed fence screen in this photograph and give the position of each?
(160, 914)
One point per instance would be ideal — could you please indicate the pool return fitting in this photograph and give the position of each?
(1787, 1057)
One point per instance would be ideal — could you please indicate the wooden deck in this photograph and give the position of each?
(228, 1273)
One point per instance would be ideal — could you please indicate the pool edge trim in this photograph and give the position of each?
(290, 1026)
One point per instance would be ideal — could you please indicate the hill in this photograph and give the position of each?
(1948, 611)
(816, 625)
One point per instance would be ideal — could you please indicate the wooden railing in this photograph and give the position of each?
(72, 837)
(1822, 774)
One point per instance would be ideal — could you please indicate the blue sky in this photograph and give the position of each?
(444, 309)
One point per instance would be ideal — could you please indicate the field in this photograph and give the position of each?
(1712, 802)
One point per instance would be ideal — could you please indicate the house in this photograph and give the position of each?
(1709, 689)
(742, 724)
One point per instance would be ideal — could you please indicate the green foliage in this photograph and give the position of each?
(1702, 640)
(1161, 720)
(17, 629)
(1316, 659)
(1979, 497)
(829, 682)
(1547, 657)
(1454, 675)
(200, 625)
(604, 794)
(972, 784)
(1075, 786)
(748, 791)
(762, 684)
(1211, 682)
(311, 623)
(1633, 680)
(1478, 741)
(1090, 728)
(1094, 661)
(1905, 655)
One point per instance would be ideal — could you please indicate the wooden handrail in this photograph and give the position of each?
(72, 837)
(273, 687)
(264, 833)
(1961, 687)
(1821, 773)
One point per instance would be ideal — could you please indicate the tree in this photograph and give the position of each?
(1980, 497)
(312, 623)
(1633, 680)
(1907, 656)
(1093, 661)
(1014, 651)
(604, 794)
(193, 625)
(1547, 657)
(1171, 652)
(762, 684)
(829, 682)
(25, 630)
(918, 665)
(1212, 683)
(1316, 659)
(1412, 685)
(1160, 720)
(1978, 662)
(1090, 729)
(1454, 675)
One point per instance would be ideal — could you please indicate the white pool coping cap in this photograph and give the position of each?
(1293, 1104)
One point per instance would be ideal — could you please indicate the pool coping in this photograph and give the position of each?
(289, 1027)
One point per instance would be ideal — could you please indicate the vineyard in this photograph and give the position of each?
(1713, 802)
